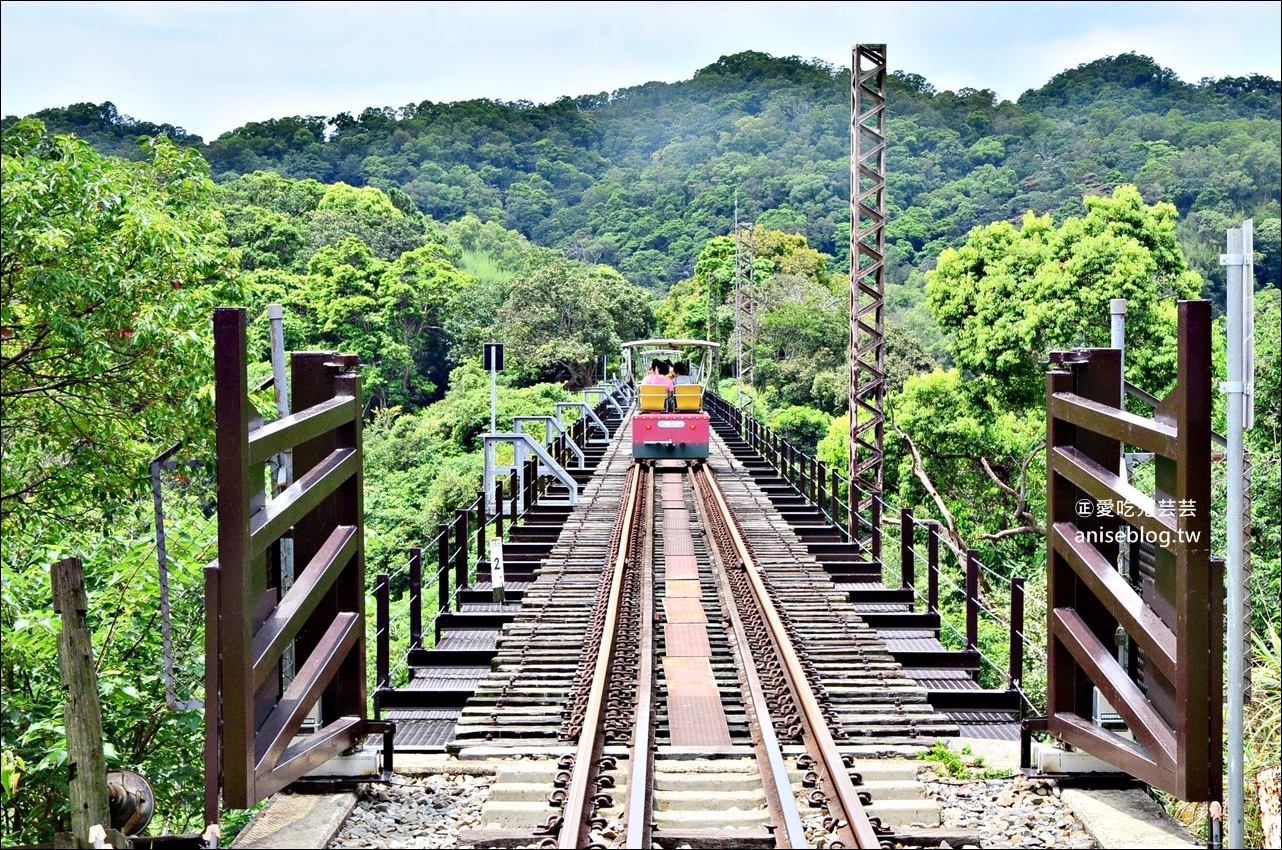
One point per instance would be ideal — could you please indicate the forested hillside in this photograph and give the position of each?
(640, 178)
(409, 236)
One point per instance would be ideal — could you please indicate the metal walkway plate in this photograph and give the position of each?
(683, 588)
(677, 544)
(423, 730)
(686, 640)
(676, 518)
(696, 717)
(676, 567)
(684, 610)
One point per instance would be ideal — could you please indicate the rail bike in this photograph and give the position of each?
(669, 422)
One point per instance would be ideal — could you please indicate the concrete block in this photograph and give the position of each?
(1126, 819)
(905, 812)
(299, 821)
(357, 764)
(1051, 759)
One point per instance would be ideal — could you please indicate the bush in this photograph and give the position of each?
(804, 427)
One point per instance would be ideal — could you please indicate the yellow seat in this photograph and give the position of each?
(689, 397)
(654, 398)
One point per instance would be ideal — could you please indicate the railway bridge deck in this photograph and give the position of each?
(491, 661)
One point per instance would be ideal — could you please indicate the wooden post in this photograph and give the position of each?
(834, 508)
(460, 555)
(515, 485)
(86, 765)
(1017, 634)
(876, 527)
(498, 508)
(852, 499)
(482, 556)
(527, 488)
(972, 599)
(383, 631)
(442, 572)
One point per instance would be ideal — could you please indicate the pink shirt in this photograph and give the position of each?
(661, 380)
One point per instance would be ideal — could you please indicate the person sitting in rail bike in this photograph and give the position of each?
(681, 373)
(657, 374)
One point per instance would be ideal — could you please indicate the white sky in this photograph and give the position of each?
(210, 67)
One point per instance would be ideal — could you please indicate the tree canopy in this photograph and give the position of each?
(110, 270)
(1010, 295)
(642, 177)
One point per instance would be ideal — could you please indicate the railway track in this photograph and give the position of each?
(711, 682)
(779, 696)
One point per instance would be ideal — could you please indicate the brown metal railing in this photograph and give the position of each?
(823, 486)
(818, 482)
(1173, 619)
(252, 716)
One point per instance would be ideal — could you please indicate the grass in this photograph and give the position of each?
(961, 765)
(1262, 742)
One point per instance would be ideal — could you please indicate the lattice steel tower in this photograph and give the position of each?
(745, 303)
(867, 290)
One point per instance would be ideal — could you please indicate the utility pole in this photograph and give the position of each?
(1239, 390)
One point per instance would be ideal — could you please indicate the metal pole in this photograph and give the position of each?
(162, 562)
(1117, 327)
(1234, 388)
(276, 313)
(285, 462)
(494, 396)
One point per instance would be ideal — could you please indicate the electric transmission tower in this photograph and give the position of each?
(867, 291)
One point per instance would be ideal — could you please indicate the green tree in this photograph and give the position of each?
(367, 214)
(1011, 295)
(415, 297)
(564, 315)
(968, 442)
(110, 269)
(802, 426)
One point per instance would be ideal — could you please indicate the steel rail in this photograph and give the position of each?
(778, 785)
(857, 828)
(575, 827)
(640, 806)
